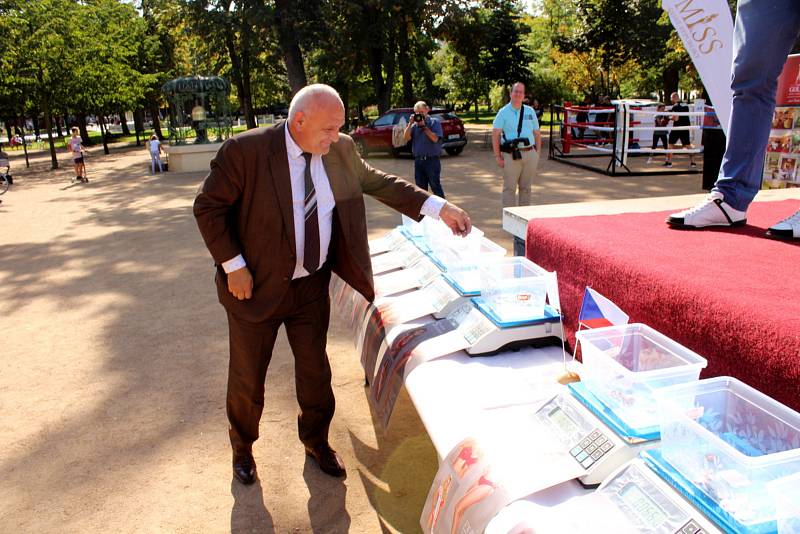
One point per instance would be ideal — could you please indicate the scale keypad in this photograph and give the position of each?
(591, 449)
(692, 527)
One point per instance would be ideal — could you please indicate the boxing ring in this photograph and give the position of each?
(604, 139)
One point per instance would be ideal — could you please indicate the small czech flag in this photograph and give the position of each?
(597, 311)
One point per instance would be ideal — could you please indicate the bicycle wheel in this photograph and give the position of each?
(4, 183)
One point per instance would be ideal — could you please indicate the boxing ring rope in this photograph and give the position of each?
(616, 135)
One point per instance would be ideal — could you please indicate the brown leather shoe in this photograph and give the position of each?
(327, 459)
(244, 467)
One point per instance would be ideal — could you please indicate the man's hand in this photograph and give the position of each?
(456, 218)
(240, 283)
(500, 162)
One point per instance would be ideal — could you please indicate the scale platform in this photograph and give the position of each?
(611, 420)
(487, 334)
(727, 523)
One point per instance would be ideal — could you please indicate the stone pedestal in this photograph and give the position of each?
(191, 158)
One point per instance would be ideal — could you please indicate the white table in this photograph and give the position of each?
(450, 392)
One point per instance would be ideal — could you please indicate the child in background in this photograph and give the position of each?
(154, 146)
(75, 145)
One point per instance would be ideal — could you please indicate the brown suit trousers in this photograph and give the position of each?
(305, 312)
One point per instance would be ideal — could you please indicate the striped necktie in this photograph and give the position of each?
(311, 254)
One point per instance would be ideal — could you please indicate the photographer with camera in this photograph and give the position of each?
(426, 145)
(517, 153)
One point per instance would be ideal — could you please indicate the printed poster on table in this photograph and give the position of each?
(781, 167)
(508, 457)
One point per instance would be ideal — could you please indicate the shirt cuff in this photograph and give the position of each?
(234, 264)
(432, 206)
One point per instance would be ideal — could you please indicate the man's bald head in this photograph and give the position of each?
(312, 97)
(316, 114)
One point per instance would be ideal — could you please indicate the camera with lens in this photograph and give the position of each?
(512, 146)
(419, 117)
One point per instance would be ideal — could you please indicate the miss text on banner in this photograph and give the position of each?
(706, 29)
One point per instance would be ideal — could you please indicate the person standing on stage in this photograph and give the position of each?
(425, 133)
(760, 48)
(517, 143)
(280, 210)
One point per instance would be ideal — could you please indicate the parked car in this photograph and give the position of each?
(377, 135)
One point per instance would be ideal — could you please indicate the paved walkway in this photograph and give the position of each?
(114, 358)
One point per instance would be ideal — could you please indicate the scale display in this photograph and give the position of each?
(649, 504)
(589, 440)
(645, 508)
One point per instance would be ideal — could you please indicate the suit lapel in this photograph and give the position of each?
(279, 168)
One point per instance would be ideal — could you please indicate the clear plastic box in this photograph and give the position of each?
(624, 364)
(786, 493)
(451, 259)
(730, 441)
(514, 288)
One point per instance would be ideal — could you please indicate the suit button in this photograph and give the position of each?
(285, 278)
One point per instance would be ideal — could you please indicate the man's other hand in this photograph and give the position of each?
(456, 218)
(240, 283)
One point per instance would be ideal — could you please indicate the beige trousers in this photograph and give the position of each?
(519, 174)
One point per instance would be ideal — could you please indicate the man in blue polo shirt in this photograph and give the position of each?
(517, 173)
(426, 145)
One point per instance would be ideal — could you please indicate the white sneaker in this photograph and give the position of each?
(649, 161)
(789, 228)
(713, 211)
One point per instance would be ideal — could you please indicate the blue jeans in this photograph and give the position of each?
(763, 36)
(427, 171)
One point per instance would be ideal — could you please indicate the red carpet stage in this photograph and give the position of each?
(731, 295)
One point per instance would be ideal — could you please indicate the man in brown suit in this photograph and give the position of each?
(282, 208)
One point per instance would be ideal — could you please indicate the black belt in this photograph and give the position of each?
(426, 157)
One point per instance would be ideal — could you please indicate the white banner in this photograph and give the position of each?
(706, 29)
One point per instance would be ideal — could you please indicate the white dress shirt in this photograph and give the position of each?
(325, 204)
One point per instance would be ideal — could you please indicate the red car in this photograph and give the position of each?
(377, 135)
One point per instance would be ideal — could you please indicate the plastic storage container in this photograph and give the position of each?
(786, 494)
(624, 364)
(730, 440)
(449, 259)
(514, 288)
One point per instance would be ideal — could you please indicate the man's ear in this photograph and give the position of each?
(299, 121)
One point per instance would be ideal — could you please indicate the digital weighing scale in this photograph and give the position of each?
(594, 436)
(486, 334)
(634, 498)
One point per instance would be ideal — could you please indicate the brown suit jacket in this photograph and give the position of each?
(244, 206)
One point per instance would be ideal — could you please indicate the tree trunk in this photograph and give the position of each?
(476, 109)
(290, 48)
(81, 117)
(48, 127)
(242, 91)
(9, 133)
(124, 123)
(404, 62)
(103, 132)
(377, 65)
(138, 125)
(35, 121)
(154, 113)
(670, 78)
